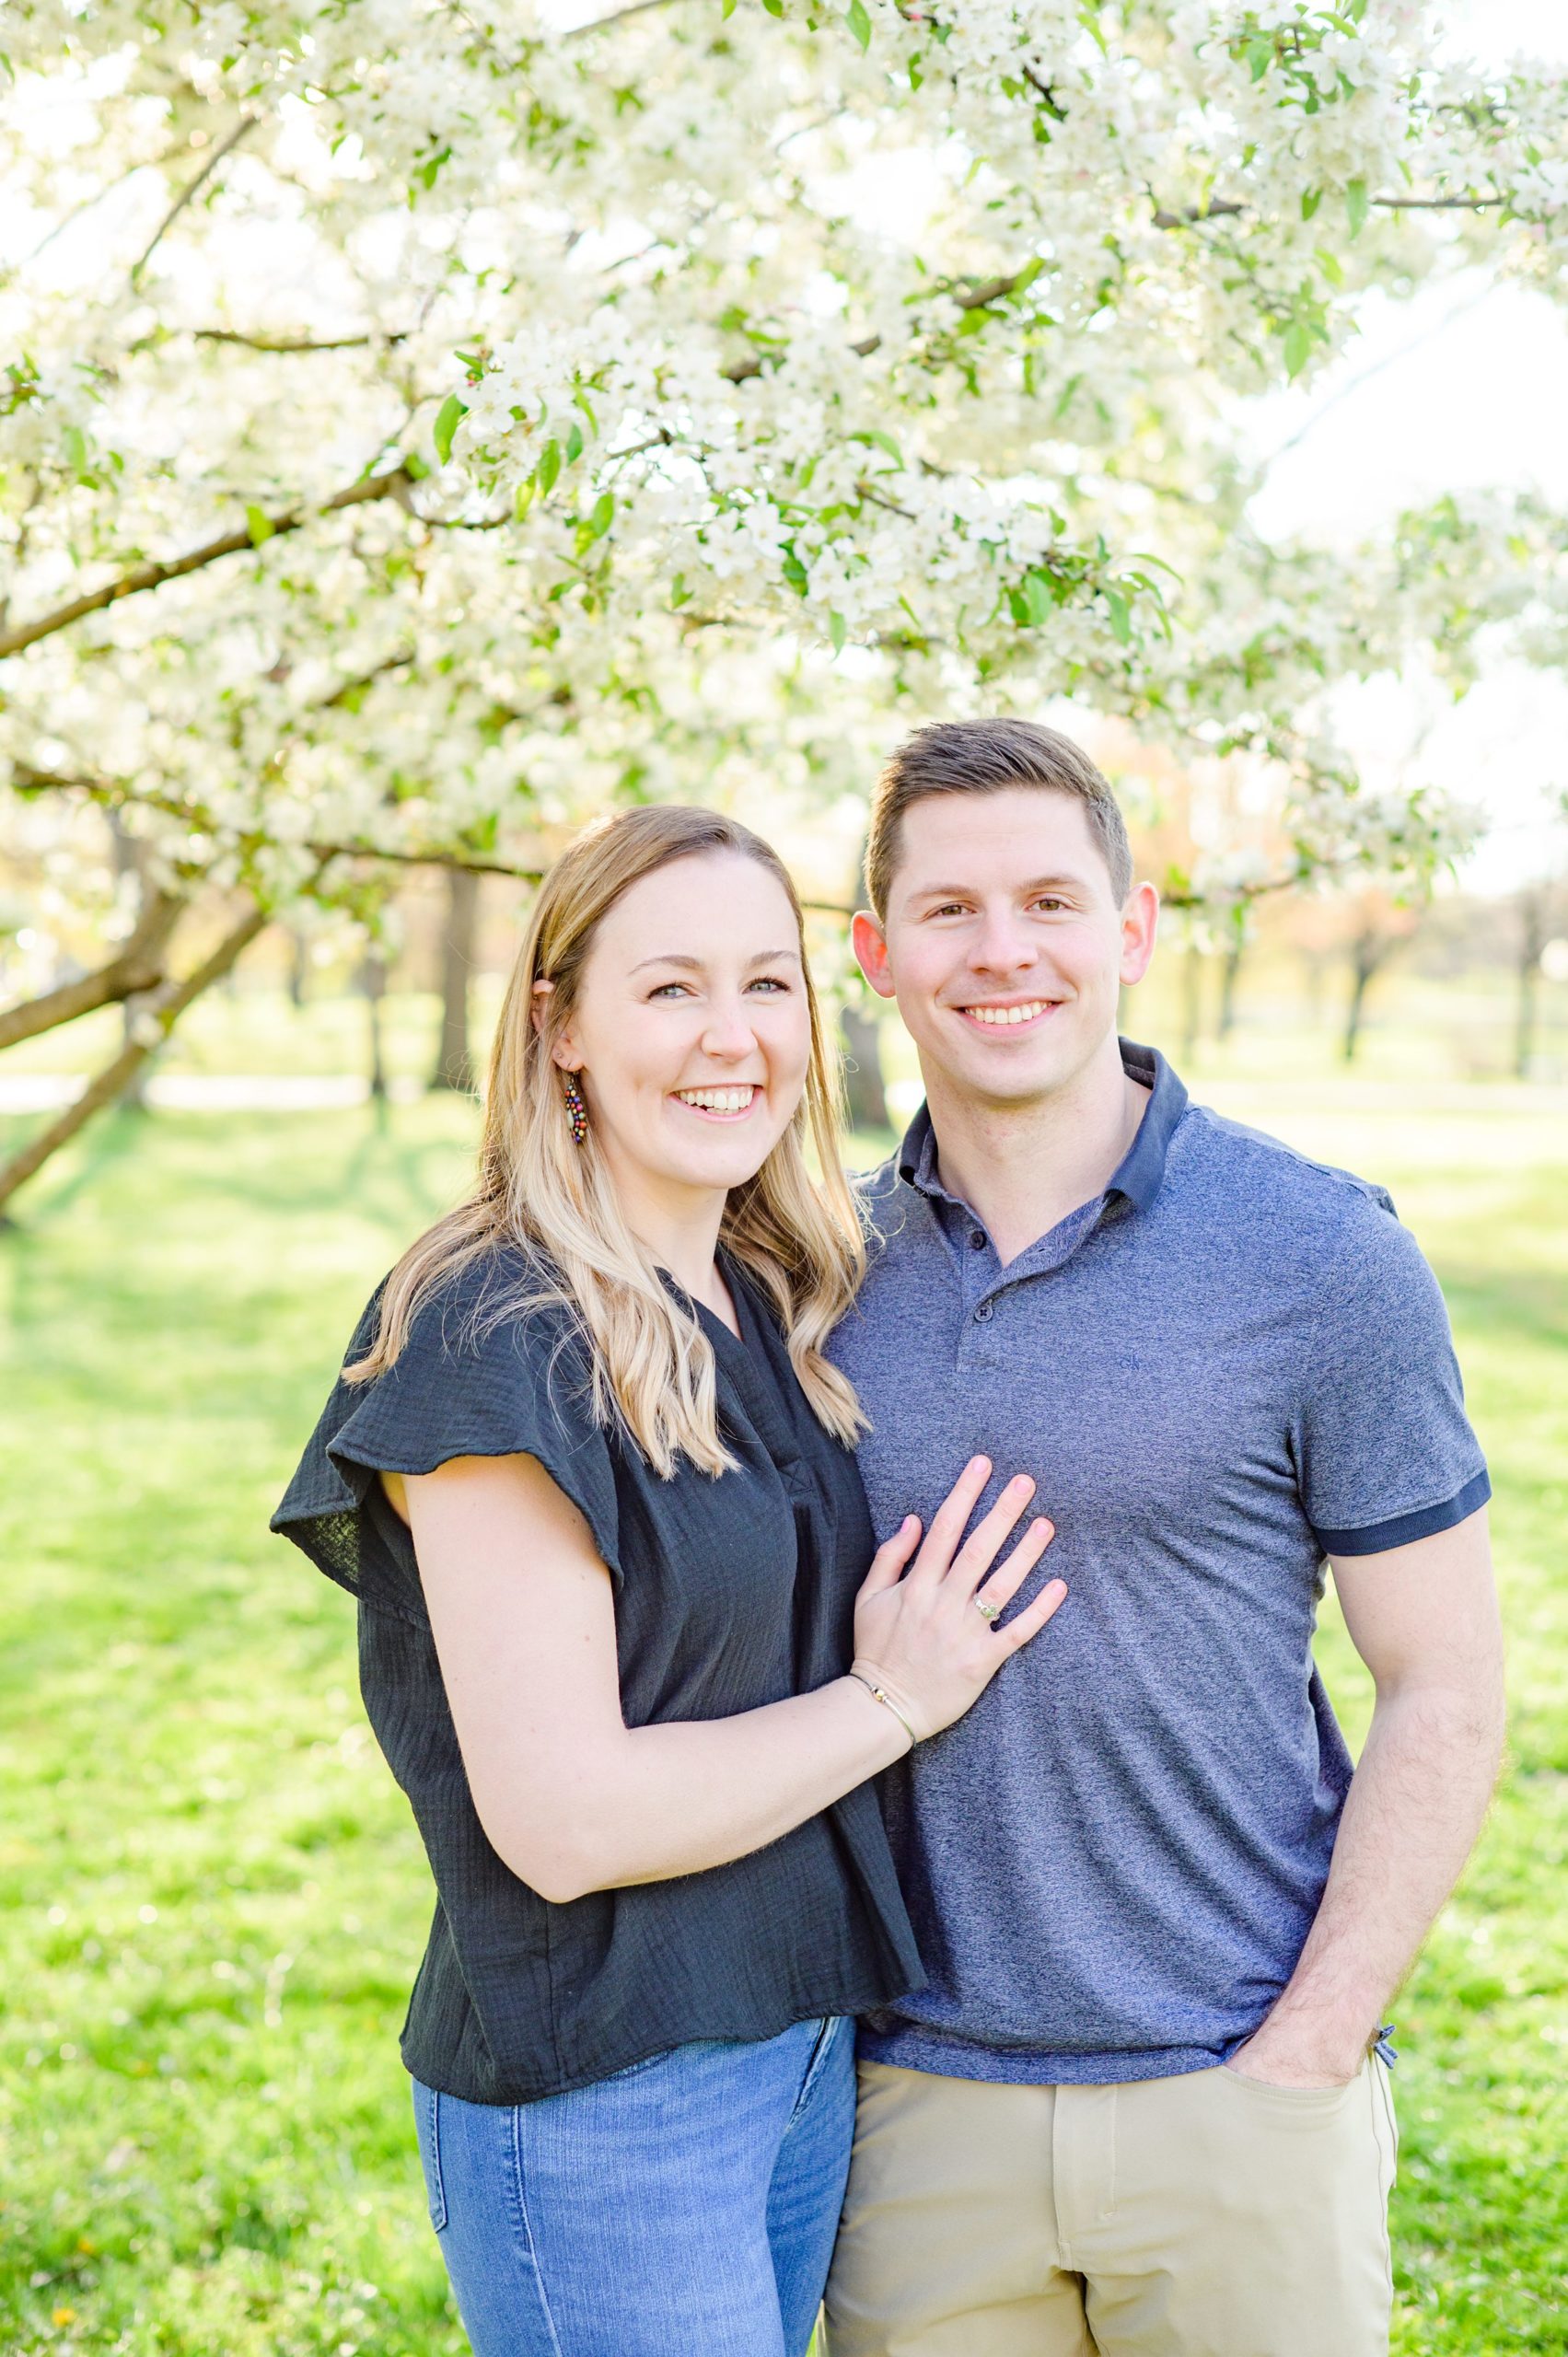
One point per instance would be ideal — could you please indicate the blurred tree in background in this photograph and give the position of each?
(426, 425)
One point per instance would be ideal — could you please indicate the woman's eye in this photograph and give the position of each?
(771, 983)
(664, 990)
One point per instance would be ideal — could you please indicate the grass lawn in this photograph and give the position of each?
(212, 1898)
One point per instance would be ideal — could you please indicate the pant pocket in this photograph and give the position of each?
(427, 2124)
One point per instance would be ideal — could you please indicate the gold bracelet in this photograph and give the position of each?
(889, 1703)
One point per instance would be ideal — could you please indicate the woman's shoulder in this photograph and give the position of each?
(503, 1305)
(493, 1365)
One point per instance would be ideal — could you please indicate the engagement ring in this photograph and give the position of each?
(986, 1609)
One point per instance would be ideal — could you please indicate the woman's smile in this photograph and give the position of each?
(728, 1101)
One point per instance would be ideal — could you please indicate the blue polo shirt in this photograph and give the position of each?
(1232, 1364)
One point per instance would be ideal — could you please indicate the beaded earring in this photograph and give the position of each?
(576, 1109)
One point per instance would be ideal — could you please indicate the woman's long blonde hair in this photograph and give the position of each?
(653, 1368)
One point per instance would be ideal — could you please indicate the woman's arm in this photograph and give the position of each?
(570, 1797)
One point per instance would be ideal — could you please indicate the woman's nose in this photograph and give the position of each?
(729, 1033)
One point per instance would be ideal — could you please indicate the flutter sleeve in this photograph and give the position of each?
(473, 1379)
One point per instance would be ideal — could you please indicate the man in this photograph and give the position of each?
(1139, 2106)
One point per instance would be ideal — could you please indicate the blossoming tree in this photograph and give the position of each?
(426, 420)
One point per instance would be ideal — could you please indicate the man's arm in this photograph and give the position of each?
(1423, 1619)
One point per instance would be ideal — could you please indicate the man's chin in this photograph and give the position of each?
(987, 1078)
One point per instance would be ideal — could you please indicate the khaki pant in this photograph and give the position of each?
(1203, 2216)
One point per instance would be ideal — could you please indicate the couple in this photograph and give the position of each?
(779, 1613)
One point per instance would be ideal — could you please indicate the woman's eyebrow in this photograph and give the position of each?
(695, 964)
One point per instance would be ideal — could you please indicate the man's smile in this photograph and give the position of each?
(1007, 1015)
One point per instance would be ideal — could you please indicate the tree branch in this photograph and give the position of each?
(616, 16)
(424, 855)
(393, 484)
(242, 129)
(163, 1008)
(296, 342)
(1226, 208)
(137, 966)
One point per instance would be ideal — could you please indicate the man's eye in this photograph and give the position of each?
(1049, 901)
(949, 909)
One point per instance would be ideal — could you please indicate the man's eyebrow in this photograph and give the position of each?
(694, 964)
(968, 891)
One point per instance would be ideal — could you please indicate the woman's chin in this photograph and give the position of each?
(719, 1160)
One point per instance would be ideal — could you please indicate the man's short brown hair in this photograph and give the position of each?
(988, 756)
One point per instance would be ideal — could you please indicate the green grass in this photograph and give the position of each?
(211, 1899)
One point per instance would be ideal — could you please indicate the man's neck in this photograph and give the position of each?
(1023, 1168)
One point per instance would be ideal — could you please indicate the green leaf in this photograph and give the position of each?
(1311, 198)
(1298, 344)
(258, 525)
(773, 7)
(795, 573)
(1040, 595)
(1088, 16)
(449, 417)
(1259, 57)
(838, 630)
(573, 443)
(602, 516)
(875, 439)
(1121, 616)
(679, 592)
(1357, 206)
(76, 444)
(727, 11)
(859, 22)
(549, 467)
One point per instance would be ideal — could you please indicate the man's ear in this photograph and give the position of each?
(870, 946)
(1139, 921)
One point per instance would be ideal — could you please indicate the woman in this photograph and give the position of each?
(591, 1479)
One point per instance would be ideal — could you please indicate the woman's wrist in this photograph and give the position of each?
(866, 1674)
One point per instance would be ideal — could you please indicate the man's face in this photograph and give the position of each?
(1005, 945)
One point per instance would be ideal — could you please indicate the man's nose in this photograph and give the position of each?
(1002, 947)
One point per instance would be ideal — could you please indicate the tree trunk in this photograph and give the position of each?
(1191, 1002)
(149, 1025)
(298, 968)
(129, 862)
(1230, 974)
(867, 1097)
(373, 982)
(454, 1064)
(1533, 915)
(1367, 954)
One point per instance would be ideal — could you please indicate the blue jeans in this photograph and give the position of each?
(685, 2207)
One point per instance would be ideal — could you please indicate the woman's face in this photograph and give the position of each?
(691, 1035)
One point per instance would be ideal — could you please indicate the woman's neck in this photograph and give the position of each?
(679, 1226)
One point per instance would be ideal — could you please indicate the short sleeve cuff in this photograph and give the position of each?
(1404, 1530)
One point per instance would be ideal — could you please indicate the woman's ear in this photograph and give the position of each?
(561, 1053)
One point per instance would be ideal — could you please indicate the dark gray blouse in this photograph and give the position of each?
(729, 1593)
